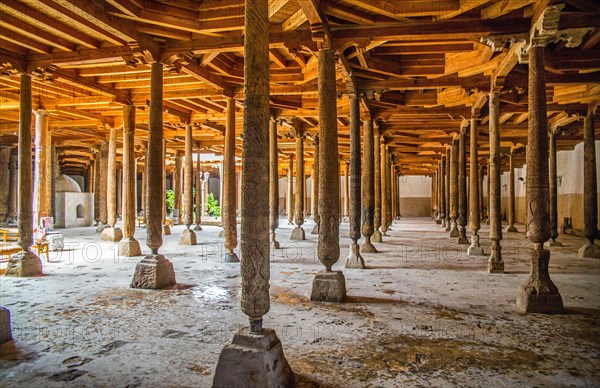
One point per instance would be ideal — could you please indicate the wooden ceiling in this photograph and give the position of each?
(419, 67)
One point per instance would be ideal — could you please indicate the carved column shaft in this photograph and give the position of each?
(128, 204)
(177, 184)
(13, 186)
(474, 181)
(377, 178)
(101, 191)
(299, 195)
(355, 170)
(25, 180)
(442, 195)
(454, 188)
(229, 185)
(447, 192)
(462, 186)
(495, 263)
(111, 179)
(273, 181)
(347, 189)
(553, 188)
(4, 182)
(188, 181)
(511, 195)
(290, 190)
(43, 165)
(590, 196)
(388, 188)
(198, 198)
(368, 190)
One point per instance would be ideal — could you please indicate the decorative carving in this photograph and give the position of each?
(545, 28)
(45, 74)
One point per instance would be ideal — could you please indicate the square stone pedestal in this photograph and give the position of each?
(328, 286)
(315, 229)
(166, 230)
(230, 257)
(24, 264)
(188, 237)
(589, 251)
(539, 294)
(298, 234)
(129, 247)
(5, 329)
(355, 260)
(475, 249)
(376, 237)
(153, 272)
(253, 360)
(111, 234)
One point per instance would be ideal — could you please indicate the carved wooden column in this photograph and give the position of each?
(177, 185)
(394, 185)
(290, 190)
(328, 285)
(154, 271)
(495, 262)
(347, 191)
(315, 185)
(443, 191)
(590, 193)
(434, 179)
(388, 188)
(454, 188)
(188, 237)
(198, 198)
(166, 227)
(111, 233)
(229, 186)
(511, 196)
(487, 219)
(368, 189)
(129, 246)
(273, 183)
(101, 188)
(242, 361)
(298, 232)
(553, 192)
(25, 263)
(481, 200)
(462, 187)
(377, 184)
(4, 182)
(354, 260)
(474, 186)
(96, 185)
(447, 192)
(12, 187)
(538, 294)
(43, 163)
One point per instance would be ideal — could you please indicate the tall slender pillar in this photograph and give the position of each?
(129, 246)
(553, 192)
(229, 186)
(511, 195)
(481, 201)
(43, 164)
(443, 191)
(447, 191)
(387, 193)
(111, 233)
(177, 185)
(394, 186)
(462, 187)
(243, 361)
(488, 203)
(355, 259)
(590, 192)
(4, 182)
(368, 189)
(328, 285)
(12, 187)
(298, 232)
(290, 190)
(154, 271)
(96, 186)
(188, 237)
(495, 262)
(538, 294)
(438, 194)
(274, 183)
(166, 227)
(25, 263)
(454, 189)
(347, 191)
(101, 187)
(119, 192)
(474, 186)
(199, 191)
(315, 185)
(377, 184)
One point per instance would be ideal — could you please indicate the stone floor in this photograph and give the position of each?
(422, 314)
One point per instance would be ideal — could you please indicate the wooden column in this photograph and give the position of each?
(25, 263)
(384, 189)
(590, 192)
(273, 183)
(511, 195)
(290, 190)
(315, 186)
(188, 237)
(495, 262)
(101, 188)
(377, 184)
(166, 228)
(229, 187)
(12, 187)
(4, 182)
(177, 185)
(43, 164)
(110, 233)
(298, 232)
(447, 192)
(553, 192)
(443, 191)
(328, 285)
(96, 186)
(481, 198)
(474, 186)
(462, 187)
(394, 186)
(355, 259)
(154, 271)
(538, 294)
(388, 178)
(129, 246)
(199, 191)
(119, 191)
(454, 189)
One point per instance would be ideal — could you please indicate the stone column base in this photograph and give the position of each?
(589, 251)
(511, 229)
(230, 257)
(274, 242)
(328, 286)
(24, 264)
(253, 360)
(556, 244)
(367, 247)
(188, 237)
(197, 227)
(166, 230)
(222, 233)
(298, 234)
(355, 260)
(448, 226)
(462, 236)
(376, 237)
(454, 230)
(101, 227)
(495, 262)
(438, 221)
(475, 249)
(111, 234)
(539, 294)
(153, 272)
(444, 223)
(315, 229)
(129, 247)
(5, 329)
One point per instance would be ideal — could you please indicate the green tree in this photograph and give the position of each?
(213, 206)
(170, 198)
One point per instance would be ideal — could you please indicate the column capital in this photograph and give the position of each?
(41, 112)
